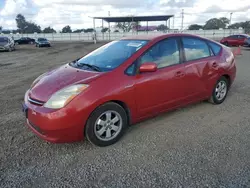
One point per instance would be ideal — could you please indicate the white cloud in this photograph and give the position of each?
(13, 6)
(76, 13)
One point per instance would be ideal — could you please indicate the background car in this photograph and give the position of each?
(42, 42)
(235, 40)
(7, 44)
(153, 74)
(25, 40)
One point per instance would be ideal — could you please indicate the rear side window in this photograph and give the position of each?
(195, 48)
(215, 48)
(242, 37)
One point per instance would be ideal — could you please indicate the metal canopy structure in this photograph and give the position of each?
(147, 19)
(135, 18)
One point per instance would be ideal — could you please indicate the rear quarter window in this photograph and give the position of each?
(215, 48)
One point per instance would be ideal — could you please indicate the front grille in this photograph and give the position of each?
(36, 102)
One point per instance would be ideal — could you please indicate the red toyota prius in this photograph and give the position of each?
(125, 82)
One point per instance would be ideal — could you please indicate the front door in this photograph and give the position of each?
(163, 89)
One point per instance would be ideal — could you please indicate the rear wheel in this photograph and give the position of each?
(226, 43)
(106, 125)
(220, 91)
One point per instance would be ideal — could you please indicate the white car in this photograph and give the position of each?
(7, 44)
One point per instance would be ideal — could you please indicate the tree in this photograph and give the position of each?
(66, 29)
(89, 30)
(127, 26)
(32, 28)
(225, 20)
(195, 27)
(215, 23)
(26, 27)
(21, 22)
(49, 30)
(78, 31)
(1, 28)
(162, 27)
(105, 29)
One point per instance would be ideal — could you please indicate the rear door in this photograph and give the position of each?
(198, 63)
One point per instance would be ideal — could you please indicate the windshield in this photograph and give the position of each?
(3, 40)
(42, 39)
(113, 54)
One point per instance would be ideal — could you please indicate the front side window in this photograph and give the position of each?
(165, 53)
(195, 49)
(111, 55)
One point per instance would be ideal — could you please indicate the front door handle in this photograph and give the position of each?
(214, 65)
(179, 74)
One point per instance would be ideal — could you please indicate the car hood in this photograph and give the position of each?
(3, 43)
(59, 78)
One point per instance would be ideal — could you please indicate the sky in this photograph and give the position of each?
(78, 13)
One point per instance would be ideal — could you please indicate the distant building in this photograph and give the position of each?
(147, 28)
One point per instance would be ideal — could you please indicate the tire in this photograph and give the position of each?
(10, 49)
(217, 98)
(112, 124)
(226, 43)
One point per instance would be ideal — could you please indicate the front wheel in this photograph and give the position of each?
(220, 91)
(106, 125)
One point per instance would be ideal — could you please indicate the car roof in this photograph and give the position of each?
(151, 37)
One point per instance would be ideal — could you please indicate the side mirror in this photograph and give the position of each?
(148, 67)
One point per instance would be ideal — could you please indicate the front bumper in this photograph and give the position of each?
(44, 44)
(4, 48)
(56, 126)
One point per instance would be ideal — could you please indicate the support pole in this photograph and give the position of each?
(94, 23)
(109, 31)
(102, 32)
(166, 26)
(173, 22)
(147, 26)
(94, 32)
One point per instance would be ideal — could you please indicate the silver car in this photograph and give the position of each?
(6, 44)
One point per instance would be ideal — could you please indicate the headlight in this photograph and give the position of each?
(64, 96)
(37, 80)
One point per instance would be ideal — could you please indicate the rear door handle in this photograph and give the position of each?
(214, 65)
(179, 74)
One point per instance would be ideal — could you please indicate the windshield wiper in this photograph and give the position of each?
(93, 67)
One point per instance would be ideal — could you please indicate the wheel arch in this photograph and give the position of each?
(228, 78)
(120, 103)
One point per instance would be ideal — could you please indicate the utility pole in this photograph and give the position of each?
(230, 18)
(182, 18)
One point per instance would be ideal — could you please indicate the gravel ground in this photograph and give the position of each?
(201, 145)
